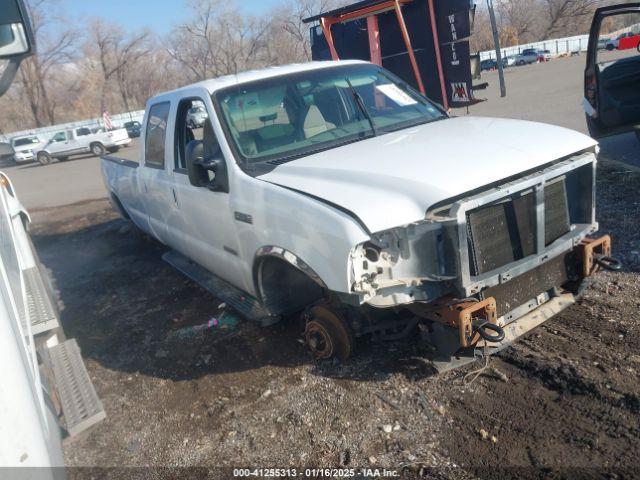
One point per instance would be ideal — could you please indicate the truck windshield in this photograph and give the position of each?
(21, 142)
(282, 118)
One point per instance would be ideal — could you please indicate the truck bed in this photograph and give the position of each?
(120, 175)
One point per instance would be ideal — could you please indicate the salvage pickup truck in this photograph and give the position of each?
(336, 190)
(81, 140)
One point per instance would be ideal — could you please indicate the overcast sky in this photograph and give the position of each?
(158, 15)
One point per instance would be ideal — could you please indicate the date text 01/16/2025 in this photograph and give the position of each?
(367, 472)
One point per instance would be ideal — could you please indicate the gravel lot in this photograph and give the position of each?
(563, 403)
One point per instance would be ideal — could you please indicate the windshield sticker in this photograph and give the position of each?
(394, 93)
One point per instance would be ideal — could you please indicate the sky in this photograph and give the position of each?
(158, 15)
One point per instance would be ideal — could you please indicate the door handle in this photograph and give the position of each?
(175, 198)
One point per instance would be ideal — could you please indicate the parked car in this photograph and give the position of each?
(133, 128)
(25, 147)
(197, 116)
(613, 43)
(527, 57)
(492, 64)
(67, 143)
(6, 151)
(309, 193)
(611, 94)
(544, 55)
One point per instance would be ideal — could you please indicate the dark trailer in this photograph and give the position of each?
(424, 42)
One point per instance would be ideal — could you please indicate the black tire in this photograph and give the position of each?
(113, 149)
(610, 47)
(520, 63)
(44, 158)
(97, 149)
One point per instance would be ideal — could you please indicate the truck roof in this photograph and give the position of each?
(243, 77)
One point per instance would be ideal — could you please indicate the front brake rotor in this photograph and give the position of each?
(327, 335)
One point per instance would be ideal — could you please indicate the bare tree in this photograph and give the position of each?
(562, 14)
(523, 18)
(289, 36)
(220, 40)
(56, 47)
(116, 54)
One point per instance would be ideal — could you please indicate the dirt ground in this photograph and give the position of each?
(564, 402)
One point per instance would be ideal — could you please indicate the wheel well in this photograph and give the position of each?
(285, 288)
(118, 206)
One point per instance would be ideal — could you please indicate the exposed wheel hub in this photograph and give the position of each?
(318, 340)
(327, 334)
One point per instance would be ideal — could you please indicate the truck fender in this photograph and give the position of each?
(284, 283)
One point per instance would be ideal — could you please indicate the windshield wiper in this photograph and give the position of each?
(363, 108)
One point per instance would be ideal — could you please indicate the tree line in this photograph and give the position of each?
(79, 71)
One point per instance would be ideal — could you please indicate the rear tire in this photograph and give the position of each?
(44, 158)
(97, 149)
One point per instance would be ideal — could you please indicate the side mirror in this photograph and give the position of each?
(17, 40)
(198, 168)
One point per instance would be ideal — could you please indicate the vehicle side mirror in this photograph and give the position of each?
(198, 168)
(17, 40)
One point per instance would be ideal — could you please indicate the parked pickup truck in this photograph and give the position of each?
(67, 143)
(24, 147)
(336, 190)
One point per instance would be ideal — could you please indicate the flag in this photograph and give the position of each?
(107, 120)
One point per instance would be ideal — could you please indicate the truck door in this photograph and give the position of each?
(73, 144)
(59, 143)
(155, 182)
(612, 74)
(205, 218)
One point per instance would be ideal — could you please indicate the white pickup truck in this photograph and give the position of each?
(77, 141)
(336, 190)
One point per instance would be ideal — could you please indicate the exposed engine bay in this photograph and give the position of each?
(483, 269)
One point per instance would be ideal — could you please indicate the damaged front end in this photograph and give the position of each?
(485, 268)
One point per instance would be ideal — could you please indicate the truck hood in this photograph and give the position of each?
(393, 179)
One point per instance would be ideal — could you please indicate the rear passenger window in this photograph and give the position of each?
(156, 133)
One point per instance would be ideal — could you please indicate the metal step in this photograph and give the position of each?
(41, 312)
(240, 301)
(80, 404)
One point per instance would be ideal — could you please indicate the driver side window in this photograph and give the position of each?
(60, 137)
(193, 124)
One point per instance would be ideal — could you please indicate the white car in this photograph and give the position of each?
(25, 147)
(81, 140)
(336, 190)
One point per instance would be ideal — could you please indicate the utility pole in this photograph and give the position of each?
(496, 41)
